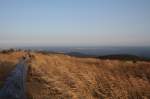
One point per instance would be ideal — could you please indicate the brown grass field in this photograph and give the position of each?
(58, 76)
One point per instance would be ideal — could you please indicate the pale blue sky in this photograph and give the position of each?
(74, 23)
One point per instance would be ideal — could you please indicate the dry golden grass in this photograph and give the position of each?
(58, 76)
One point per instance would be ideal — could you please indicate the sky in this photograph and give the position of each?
(74, 23)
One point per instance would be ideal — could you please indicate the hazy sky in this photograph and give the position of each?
(74, 22)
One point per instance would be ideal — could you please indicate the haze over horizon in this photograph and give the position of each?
(74, 23)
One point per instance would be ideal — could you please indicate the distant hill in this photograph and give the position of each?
(78, 54)
(111, 57)
(124, 57)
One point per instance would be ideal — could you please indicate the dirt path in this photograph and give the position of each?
(14, 87)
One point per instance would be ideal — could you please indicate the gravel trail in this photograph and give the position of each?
(14, 86)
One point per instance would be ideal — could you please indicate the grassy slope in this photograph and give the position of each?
(63, 77)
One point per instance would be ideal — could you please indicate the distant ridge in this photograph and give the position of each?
(78, 54)
(124, 57)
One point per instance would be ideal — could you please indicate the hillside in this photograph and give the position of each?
(58, 76)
